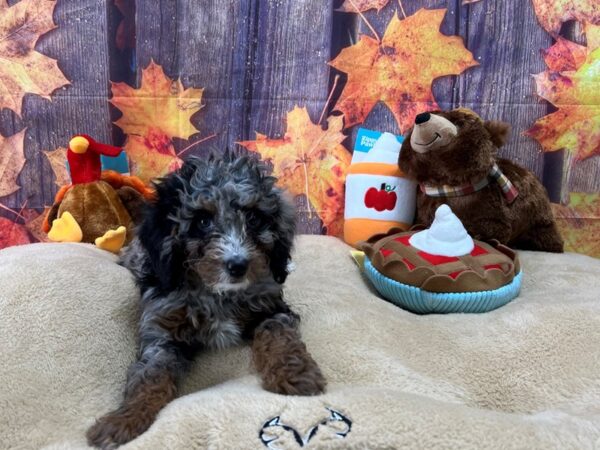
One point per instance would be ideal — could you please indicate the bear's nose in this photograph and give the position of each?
(237, 267)
(422, 118)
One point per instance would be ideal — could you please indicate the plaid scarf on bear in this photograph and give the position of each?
(495, 174)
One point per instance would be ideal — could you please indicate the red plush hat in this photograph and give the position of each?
(84, 158)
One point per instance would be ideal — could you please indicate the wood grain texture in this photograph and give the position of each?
(506, 40)
(208, 45)
(79, 46)
(293, 42)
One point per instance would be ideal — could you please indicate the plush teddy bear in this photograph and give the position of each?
(452, 155)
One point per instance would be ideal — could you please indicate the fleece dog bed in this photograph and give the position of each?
(524, 376)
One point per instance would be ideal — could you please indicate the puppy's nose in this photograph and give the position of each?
(422, 118)
(237, 267)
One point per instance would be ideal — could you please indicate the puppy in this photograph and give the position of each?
(209, 257)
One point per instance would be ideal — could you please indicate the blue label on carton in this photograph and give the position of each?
(365, 140)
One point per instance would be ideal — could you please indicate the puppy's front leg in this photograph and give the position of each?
(281, 357)
(150, 386)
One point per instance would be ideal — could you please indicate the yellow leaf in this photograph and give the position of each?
(12, 161)
(572, 86)
(310, 161)
(579, 223)
(160, 104)
(58, 161)
(552, 13)
(22, 69)
(399, 70)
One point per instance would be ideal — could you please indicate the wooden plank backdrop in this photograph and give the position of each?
(257, 59)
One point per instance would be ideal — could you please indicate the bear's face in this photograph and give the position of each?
(452, 148)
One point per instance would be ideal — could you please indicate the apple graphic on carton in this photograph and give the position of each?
(382, 199)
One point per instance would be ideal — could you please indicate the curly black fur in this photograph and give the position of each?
(209, 257)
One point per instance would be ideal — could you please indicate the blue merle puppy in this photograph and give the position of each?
(210, 257)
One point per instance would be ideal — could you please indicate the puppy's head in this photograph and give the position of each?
(220, 223)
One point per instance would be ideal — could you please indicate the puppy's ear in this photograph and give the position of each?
(280, 254)
(165, 253)
(159, 235)
(499, 131)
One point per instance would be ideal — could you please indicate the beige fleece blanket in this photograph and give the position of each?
(525, 376)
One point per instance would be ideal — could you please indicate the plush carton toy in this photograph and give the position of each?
(379, 197)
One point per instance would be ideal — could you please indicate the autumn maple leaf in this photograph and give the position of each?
(571, 85)
(58, 161)
(362, 5)
(399, 70)
(579, 223)
(155, 113)
(152, 155)
(552, 13)
(23, 70)
(12, 233)
(310, 161)
(12, 161)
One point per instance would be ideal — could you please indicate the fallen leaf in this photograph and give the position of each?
(125, 36)
(159, 104)
(579, 223)
(399, 70)
(12, 160)
(58, 161)
(310, 161)
(152, 155)
(33, 223)
(553, 13)
(571, 85)
(353, 6)
(12, 233)
(23, 70)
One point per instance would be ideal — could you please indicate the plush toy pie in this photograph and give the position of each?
(442, 269)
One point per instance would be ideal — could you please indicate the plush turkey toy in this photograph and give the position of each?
(98, 207)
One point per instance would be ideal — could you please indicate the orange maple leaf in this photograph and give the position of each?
(159, 103)
(23, 70)
(399, 70)
(12, 160)
(571, 85)
(353, 6)
(158, 111)
(310, 161)
(58, 161)
(552, 13)
(152, 155)
(579, 223)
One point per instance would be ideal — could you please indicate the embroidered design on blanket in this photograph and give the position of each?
(274, 431)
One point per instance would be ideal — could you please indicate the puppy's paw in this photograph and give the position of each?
(297, 374)
(115, 429)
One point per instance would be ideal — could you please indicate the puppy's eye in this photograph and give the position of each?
(204, 221)
(254, 219)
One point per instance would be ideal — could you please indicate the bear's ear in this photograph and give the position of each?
(499, 131)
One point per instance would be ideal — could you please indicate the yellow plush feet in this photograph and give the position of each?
(65, 229)
(112, 240)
